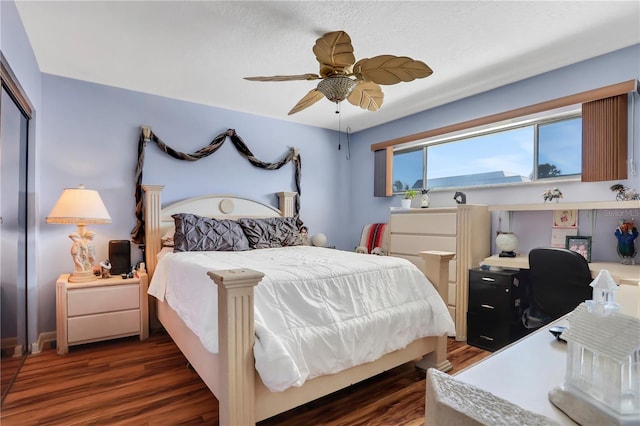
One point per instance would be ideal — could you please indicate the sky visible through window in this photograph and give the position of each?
(560, 144)
(510, 152)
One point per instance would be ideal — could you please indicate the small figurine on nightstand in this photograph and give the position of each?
(130, 274)
(105, 268)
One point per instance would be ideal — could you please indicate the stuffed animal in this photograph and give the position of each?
(378, 251)
(362, 250)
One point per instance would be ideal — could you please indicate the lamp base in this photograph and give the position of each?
(82, 277)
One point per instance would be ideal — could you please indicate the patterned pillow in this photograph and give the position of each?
(271, 232)
(197, 233)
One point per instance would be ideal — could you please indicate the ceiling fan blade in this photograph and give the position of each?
(366, 95)
(390, 69)
(285, 77)
(334, 52)
(309, 99)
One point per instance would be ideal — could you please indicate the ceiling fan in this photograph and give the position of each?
(344, 78)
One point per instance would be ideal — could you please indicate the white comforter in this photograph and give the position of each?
(317, 311)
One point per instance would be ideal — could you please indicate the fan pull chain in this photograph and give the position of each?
(339, 124)
(348, 143)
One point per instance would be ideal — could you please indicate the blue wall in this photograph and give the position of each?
(87, 133)
(91, 135)
(534, 229)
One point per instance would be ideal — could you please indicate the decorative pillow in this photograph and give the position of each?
(271, 232)
(167, 238)
(197, 233)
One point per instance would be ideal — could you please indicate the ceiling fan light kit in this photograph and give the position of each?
(344, 78)
(336, 88)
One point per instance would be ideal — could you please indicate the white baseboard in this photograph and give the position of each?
(11, 343)
(8, 342)
(43, 338)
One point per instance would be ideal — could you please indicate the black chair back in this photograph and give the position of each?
(560, 281)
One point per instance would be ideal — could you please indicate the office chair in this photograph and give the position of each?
(559, 282)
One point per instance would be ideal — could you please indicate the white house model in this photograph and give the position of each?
(602, 380)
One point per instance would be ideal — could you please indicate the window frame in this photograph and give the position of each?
(584, 98)
(535, 121)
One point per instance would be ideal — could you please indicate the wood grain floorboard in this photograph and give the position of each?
(128, 382)
(9, 366)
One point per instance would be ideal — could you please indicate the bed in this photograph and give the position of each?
(230, 373)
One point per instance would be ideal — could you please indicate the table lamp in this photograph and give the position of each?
(80, 206)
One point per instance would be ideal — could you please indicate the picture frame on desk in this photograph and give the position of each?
(579, 244)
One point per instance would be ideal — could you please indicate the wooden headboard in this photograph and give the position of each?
(158, 220)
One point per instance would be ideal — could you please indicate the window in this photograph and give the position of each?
(523, 152)
(408, 170)
(604, 135)
(559, 148)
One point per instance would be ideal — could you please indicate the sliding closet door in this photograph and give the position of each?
(14, 126)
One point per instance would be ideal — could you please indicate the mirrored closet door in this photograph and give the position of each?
(14, 126)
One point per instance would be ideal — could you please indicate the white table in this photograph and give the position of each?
(524, 372)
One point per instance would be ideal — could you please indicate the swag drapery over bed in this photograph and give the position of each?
(146, 135)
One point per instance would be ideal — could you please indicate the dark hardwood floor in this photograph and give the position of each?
(148, 383)
(9, 366)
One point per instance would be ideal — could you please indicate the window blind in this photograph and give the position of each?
(604, 139)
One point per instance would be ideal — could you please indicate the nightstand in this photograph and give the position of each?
(103, 309)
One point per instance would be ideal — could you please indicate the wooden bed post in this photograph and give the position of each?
(235, 345)
(152, 235)
(436, 268)
(286, 200)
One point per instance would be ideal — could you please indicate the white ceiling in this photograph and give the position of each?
(200, 50)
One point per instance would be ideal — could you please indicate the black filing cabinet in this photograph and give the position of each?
(496, 302)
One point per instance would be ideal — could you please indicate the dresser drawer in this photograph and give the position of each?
(489, 298)
(487, 331)
(503, 279)
(111, 298)
(414, 244)
(444, 223)
(101, 326)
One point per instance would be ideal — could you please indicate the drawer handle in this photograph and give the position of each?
(482, 336)
(488, 279)
(487, 306)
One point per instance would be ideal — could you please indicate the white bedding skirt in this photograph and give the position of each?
(318, 311)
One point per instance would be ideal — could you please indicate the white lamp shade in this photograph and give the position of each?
(79, 206)
(507, 241)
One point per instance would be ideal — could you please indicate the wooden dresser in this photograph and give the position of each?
(464, 230)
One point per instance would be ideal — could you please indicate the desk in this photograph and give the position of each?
(524, 372)
(622, 274)
(626, 276)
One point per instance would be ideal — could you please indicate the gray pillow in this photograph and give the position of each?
(197, 233)
(271, 232)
